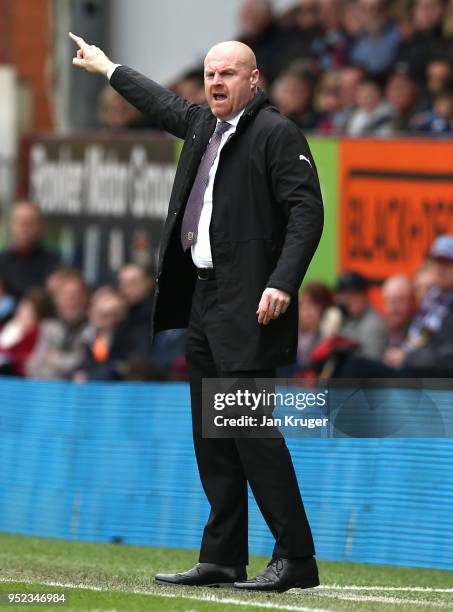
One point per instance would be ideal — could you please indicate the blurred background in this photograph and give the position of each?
(370, 83)
(84, 186)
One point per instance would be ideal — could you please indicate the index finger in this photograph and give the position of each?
(78, 40)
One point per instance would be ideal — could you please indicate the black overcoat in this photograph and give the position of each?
(267, 219)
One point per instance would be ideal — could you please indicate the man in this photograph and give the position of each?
(136, 287)
(376, 48)
(245, 217)
(60, 349)
(361, 323)
(26, 263)
(399, 308)
(429, 348)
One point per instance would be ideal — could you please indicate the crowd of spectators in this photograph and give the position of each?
(342, 335)
(341, 67)
(357, 67)
(54, 327)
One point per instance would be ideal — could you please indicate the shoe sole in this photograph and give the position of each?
(300, 585)
(214, 585)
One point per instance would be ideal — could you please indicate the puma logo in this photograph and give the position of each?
(301, 157)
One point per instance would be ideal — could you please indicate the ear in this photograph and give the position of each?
(254, 78)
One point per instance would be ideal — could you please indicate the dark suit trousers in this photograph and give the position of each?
(226, 465)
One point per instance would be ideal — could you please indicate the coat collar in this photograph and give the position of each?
(259, 100)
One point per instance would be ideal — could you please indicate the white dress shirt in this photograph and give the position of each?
(111, 70)
(201, 250)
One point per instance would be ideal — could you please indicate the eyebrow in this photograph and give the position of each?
(228, 69)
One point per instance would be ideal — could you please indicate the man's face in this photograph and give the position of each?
(292, 94)
(26, 226)
(71, 301)
(349, 83)
(438, 74)
(230, 83)
(398, 305)
(428, 14)
(134, 285)
(354, 300)
(401, 92)
(368, 96)
(444, 269)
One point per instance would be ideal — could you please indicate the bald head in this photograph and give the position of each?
(231, 78)
(399, 301)
(398, 284)
(235, 51)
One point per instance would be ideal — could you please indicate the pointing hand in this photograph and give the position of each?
(89, 57)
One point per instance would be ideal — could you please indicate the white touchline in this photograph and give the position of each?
(383, 599)
(361, 587)
(157, 593)
(270, 606)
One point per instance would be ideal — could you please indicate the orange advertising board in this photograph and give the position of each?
(395, 198)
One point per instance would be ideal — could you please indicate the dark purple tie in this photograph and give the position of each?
(194, 204)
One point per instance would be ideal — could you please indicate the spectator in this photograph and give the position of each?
(57, 278)
(399, 309)
(373, 116)
(430, 339)
(439, 119)
(115, 113)
(292, 93)
(106, 348)
(191, 87)
(258, 30)
(298, 39)
(376, 49)
(427, 39)
(439, 76)
(314, 300)
(361, 322)
(328, 102)
(402, 93)
(330, 48)
(353, 23)
(168, 352)
(60, 349)
(349, 79)
(26, 263)
(402, 12)
(136, 288)
(7, 304)
(425, 279)
(19, 335)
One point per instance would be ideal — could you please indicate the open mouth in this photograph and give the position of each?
(218, 97)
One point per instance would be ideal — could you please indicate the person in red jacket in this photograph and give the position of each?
(18, 337)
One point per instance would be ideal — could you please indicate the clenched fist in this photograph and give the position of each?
(89, 57)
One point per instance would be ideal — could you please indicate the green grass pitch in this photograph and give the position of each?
(118, 577)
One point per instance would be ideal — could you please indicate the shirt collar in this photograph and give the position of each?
(234, 120)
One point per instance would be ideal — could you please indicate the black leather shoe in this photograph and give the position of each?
(205, 574)
(284, 574)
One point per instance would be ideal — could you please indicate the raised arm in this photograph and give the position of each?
(166, 110)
